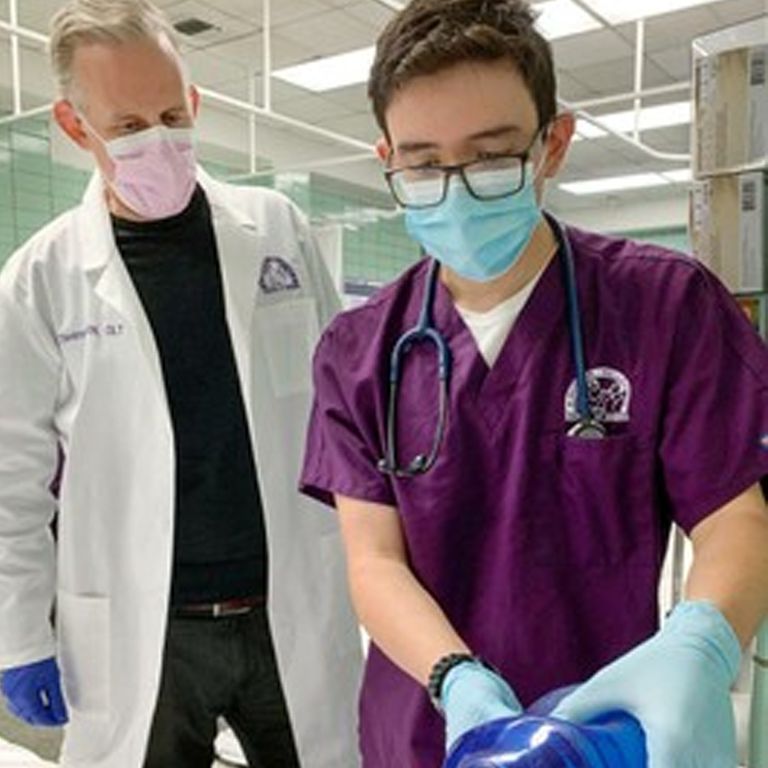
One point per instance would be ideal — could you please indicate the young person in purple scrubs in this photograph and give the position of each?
(527, 557)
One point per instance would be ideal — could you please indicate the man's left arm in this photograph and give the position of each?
(678, 682)
(730, 566)
(712, 445)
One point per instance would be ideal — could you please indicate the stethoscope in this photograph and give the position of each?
(586, 427)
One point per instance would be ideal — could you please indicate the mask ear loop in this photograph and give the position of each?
(544, 137)
(87, 123)
(95, 134)
(544, 134)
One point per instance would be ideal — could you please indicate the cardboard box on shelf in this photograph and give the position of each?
(731, 110)
(729, 229)
(756, 309)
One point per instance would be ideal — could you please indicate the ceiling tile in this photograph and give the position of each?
(361, 126)
(590, 49)
(207, 69)
(312, 108)
(606, 80)
(571, 89)
(679, 29)
(371, 14)
(35, 15)
(675, 61)
(736, 11)
(331, 32)
(281, 11)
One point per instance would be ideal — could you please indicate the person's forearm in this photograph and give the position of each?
(730, 565)
(401, 617)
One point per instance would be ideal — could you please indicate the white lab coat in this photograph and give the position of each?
(79, 366)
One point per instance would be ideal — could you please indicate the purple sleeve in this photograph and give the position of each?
(714, 441)
(340, 455)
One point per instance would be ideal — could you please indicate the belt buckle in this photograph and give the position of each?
(221, 610)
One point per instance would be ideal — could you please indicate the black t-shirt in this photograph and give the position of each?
(220, 545)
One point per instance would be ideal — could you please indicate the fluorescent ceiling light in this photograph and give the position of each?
(663, 116)
(623, 183)
(330, 72)
(561, 18)
(615, 184)
(558, 18)
(621, 12)
(683, 176)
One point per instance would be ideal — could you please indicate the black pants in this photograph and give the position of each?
(220, 667)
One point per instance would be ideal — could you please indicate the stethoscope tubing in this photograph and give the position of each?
(425, 332)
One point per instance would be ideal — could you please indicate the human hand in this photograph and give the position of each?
(677, 684)
(33, 693)
(471, 695)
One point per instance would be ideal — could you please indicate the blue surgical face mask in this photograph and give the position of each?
(478, 239)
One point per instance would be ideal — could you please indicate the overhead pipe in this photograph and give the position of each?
(393, 5)
(27, 34)
(290, 122)
(221, 98)
(307, 165)
(629, 96)
(13, 15)
(266, 33)
(26, 114)
(642, 146)
(328, 135)
(639, 57)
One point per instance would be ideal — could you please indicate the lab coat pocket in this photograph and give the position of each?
(83, 628)
(605, 506)
(289, 332)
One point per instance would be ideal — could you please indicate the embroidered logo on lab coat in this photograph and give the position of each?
(277, 275)
(610, 396)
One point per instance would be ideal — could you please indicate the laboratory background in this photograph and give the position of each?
(672, 148)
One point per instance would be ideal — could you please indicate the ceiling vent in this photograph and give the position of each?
(193, 26)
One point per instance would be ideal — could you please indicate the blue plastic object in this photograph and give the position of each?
(535, 740)
(33, 693)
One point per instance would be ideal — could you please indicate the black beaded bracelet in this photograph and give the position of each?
(441, 668)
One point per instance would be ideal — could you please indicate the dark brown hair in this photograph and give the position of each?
(429, 36)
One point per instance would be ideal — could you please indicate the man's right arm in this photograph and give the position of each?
(408, 624)
(395, 609)
(29, 378)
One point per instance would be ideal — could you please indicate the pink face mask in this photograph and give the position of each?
(155, 172)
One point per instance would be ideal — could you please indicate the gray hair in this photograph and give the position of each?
(102, 21)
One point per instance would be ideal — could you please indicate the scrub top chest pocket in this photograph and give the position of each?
(599, 508)
(289, 331)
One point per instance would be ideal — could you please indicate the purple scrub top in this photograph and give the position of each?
(543, 550)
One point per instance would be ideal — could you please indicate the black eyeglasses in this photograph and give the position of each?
(488, 178)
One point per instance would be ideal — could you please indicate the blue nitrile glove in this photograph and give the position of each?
(33, 693)
(471, 695)
(677, 684)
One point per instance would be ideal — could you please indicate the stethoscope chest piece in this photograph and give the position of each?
(587, 429)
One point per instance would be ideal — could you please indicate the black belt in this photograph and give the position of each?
(235, 607)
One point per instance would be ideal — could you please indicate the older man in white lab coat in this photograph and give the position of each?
(161, 335)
